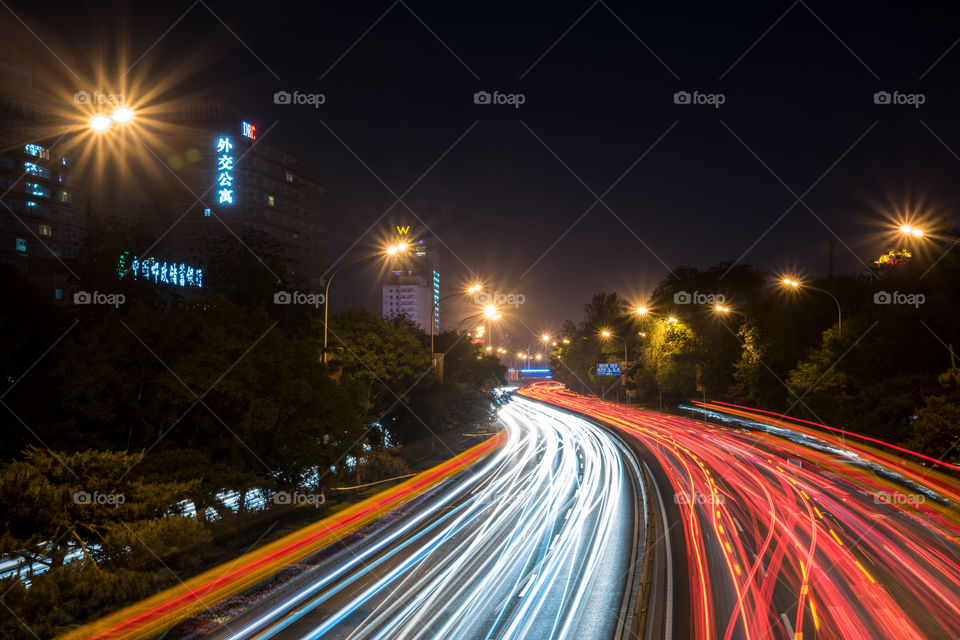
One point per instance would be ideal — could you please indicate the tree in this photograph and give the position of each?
(936, 431)
(55, 503)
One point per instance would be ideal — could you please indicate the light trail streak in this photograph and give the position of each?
(535, 544)
(792, 530)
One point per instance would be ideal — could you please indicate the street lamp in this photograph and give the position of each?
(392, 250)
(607, 334)
(910, 230)
(98, 123)
(789, 282)
(122, 115)
(642, 311)
(474, 288)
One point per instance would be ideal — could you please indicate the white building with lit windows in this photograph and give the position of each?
(412, 288)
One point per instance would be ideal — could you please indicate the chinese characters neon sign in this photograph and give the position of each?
(224, 170)
(152, 270)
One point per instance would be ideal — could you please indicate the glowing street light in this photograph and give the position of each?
(642, 311)
(566, 341)
(122, 115)
(909, 230)
(672, 319)
(100, 123)
(491, 311)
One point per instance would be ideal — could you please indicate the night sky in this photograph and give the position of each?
(512, 192)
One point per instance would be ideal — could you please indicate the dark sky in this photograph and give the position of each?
(504, 187)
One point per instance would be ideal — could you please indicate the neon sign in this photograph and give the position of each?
(249, 130)
(224, 170)
(150, 269)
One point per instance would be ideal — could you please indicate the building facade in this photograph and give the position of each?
(43, 211)
(412, 288)
(224, 182)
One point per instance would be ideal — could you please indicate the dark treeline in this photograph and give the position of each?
(886, 370)
(113, 416)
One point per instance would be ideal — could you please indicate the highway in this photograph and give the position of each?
(543, 539)
(787, 529)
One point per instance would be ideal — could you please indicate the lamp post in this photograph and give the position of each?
(797, 285)
(436, 309)
(607, 334)
(391, 251)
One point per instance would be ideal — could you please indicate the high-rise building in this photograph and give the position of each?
(412, 288)
(246, 183)
(43, 208)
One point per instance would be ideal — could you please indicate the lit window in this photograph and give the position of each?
(58, 294)
(271, 201)
(46, 230)
(33, 169)
(36, 189)
(22, 245)
(37, 151)
(66, 196)
(206, 213)
(288, 176)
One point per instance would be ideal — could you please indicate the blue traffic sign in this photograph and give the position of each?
(608, 368)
